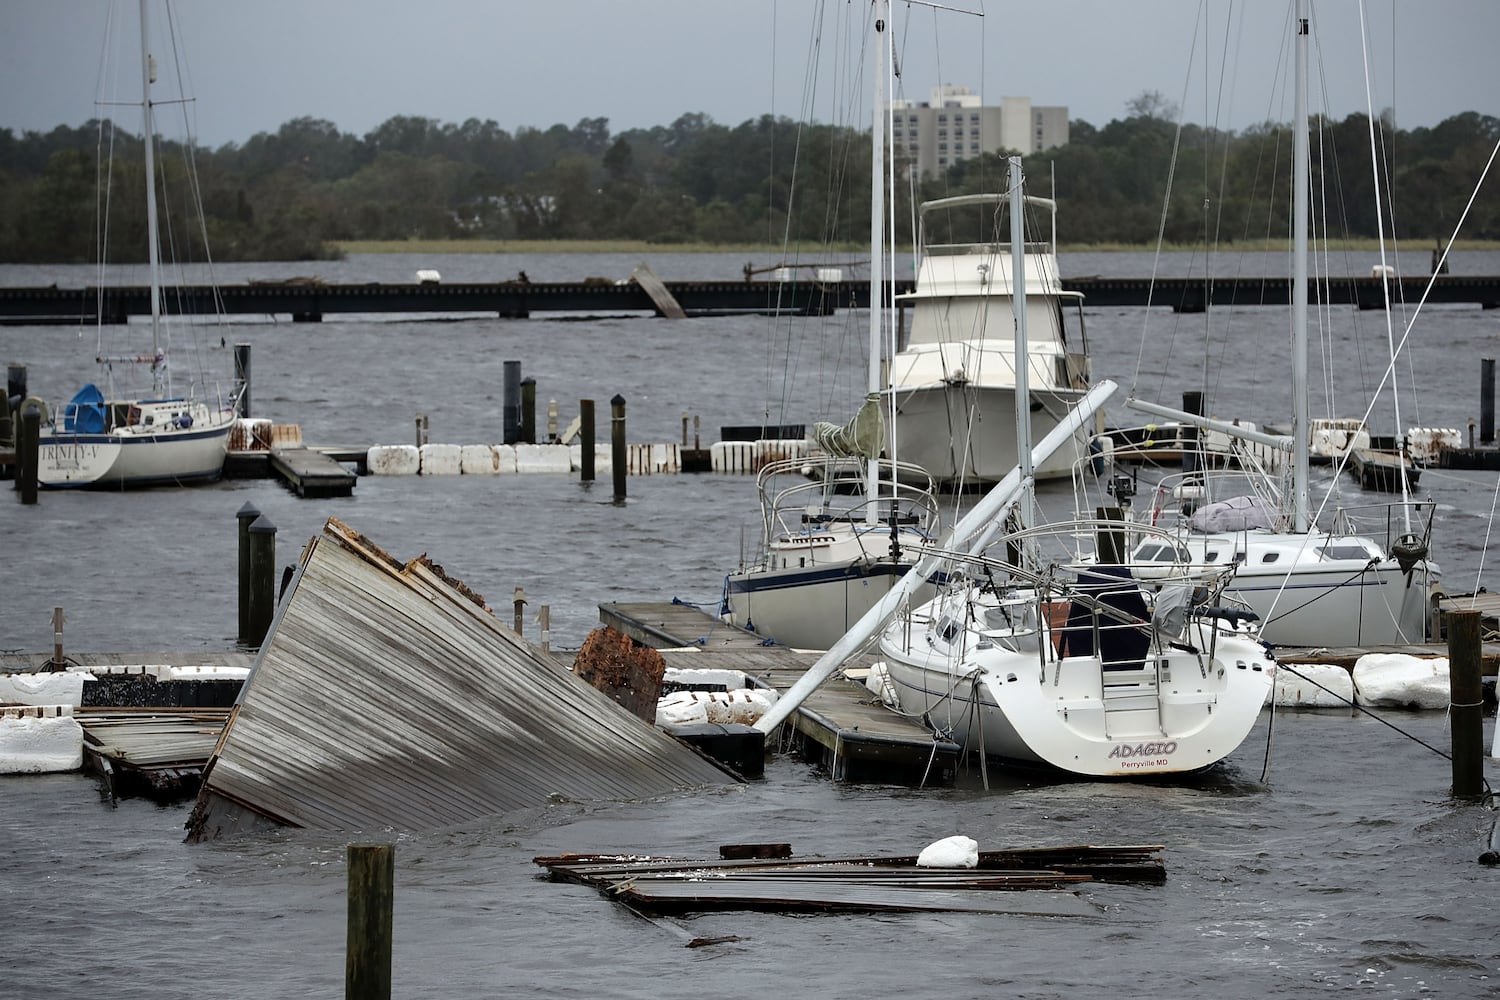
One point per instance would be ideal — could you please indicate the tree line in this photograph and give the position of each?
(297, 193)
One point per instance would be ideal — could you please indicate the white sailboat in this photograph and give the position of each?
(101, 440)
(954, 381)
(836, 545)
(1311, 586)
(1046, 654)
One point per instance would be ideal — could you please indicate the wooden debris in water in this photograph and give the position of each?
(629, 673)
(1050, 877)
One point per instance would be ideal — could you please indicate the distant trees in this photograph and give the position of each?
(291, 194)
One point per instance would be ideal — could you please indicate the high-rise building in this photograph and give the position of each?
(956, 124)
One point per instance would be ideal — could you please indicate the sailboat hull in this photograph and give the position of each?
(810, 608)
(1367, 606)
(124, 459)
(1178, 714)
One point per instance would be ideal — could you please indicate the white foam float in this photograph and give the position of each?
(1399, 680)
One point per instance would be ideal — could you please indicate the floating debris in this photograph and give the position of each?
(655, 885)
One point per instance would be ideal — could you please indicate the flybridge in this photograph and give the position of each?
(310, 302)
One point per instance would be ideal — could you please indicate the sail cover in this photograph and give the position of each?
(862, 437)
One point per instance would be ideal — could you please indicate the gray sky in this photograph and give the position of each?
(256, 64)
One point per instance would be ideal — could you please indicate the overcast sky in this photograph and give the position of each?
(256, 64)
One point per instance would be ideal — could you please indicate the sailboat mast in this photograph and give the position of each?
(1300, 165)
(877, 237)
(1018, 310)
(158, 362)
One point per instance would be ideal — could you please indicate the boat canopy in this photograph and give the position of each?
(84, 413)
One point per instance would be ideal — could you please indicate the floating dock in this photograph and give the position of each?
(841, 726)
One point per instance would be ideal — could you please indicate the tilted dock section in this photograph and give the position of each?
(842, 725)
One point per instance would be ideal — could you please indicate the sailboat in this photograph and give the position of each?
(838, 536)
(954, 381)
(1049, 652)
(1310, 586)
(103, 440)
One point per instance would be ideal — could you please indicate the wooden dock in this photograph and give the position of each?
(841, 726)
(311, 473)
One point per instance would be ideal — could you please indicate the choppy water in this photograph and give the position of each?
(1349, 870)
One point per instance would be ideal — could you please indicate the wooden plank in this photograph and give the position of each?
(661, 297)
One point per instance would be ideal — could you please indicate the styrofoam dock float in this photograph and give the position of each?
(39, 739)
(742, 457)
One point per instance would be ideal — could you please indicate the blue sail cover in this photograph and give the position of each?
(84, 413)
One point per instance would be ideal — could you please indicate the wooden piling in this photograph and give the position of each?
(246, 515)
(528, 410)
(1466, 702)
(1487, 400)
(28, 442)
(262, 579)
(544, 626)
(372, 904)
(617, 458)
(519, 600)
(1192, 402)
(58, 662)
(1109, 543)
(586, 432)
(510, 403)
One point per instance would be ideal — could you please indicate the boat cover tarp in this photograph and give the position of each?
(862, 437)
(1235, 514)
(84, 413)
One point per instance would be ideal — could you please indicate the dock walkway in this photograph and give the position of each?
(841, 725)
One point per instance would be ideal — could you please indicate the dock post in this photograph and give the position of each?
(617, 444)
(528, 410)
(28, 443)
(246, 515)
(519, 600)
(1192, 402)
(544, 626)
(242, 376)
(551, 421)
(15, 391)
(1487, 400)
(1109, 543)
(372, 904)
(1466, 702)
(684, 428)
(510, 403)
(586, 433)
(262, 579)
(58, 663)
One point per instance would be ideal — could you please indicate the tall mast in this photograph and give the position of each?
(158, 362)
(1300, 166)
(877, 238)
(1022, 363)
